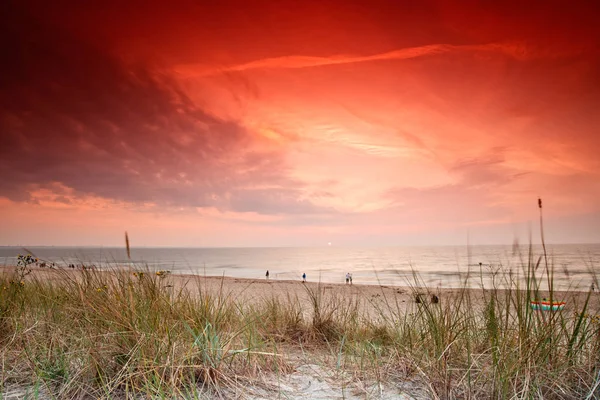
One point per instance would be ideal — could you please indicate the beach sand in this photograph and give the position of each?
(372, 299)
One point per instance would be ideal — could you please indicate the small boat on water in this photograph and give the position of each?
(545, 305)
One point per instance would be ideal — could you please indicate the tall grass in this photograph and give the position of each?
(125, 333)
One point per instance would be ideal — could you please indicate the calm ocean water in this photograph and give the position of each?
(444, 266)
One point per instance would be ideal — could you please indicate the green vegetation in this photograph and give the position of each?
(125, 334)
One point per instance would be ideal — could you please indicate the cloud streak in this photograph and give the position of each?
(516, 50)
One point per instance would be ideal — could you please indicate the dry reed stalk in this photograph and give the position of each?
(127, 245)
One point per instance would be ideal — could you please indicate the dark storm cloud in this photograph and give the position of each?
(73, 113)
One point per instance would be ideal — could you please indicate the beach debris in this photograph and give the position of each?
(545, 305)
(420, 298)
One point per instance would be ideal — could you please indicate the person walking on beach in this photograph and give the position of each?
(347, 278)
(304, 277)
(267, 274)
(350, 278)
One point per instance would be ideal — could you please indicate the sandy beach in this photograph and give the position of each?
(371, 299)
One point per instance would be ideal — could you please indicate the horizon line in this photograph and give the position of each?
(291, 246)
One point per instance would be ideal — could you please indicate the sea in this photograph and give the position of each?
(572, 266)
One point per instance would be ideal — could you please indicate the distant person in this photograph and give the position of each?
(267, 274)
(304, 277)
(348, 278)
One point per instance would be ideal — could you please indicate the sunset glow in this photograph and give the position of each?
(299, 123)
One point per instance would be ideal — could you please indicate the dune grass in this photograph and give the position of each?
(130, 334)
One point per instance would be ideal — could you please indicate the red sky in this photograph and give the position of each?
(261, 123)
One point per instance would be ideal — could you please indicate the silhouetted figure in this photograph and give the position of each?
(348, 278)
(434, 299)
(304, 277)
(267, 274)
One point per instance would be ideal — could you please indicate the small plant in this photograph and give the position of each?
(139, 275)
(25, 260)
(22, 269)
